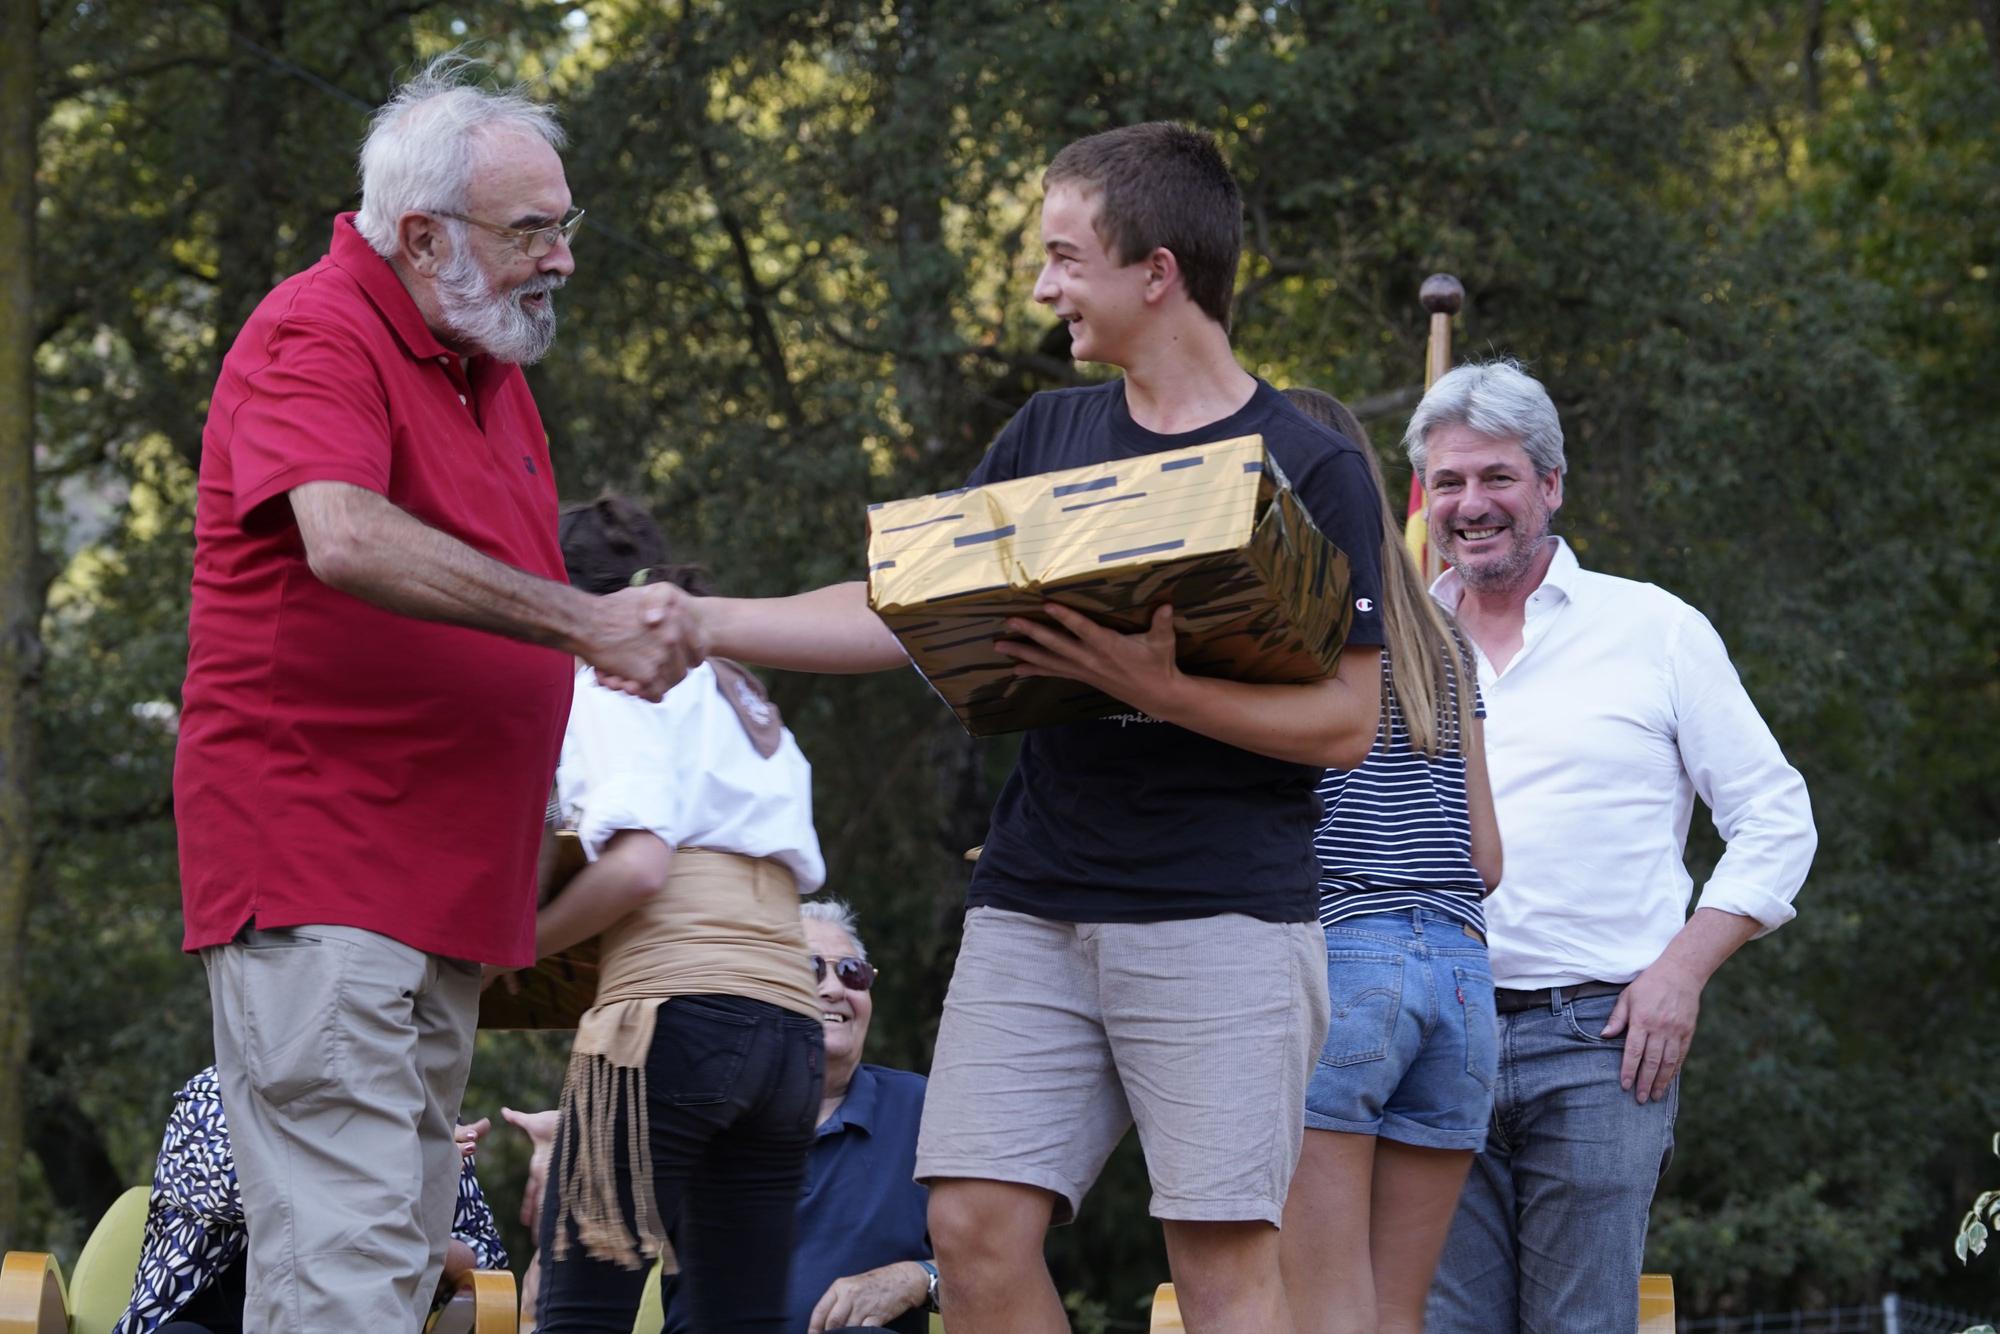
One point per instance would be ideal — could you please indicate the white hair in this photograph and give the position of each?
(1496, 399)
(426, 141)
(834, 912)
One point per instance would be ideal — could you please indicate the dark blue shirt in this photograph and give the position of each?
(862, 1207)
(1128, 819)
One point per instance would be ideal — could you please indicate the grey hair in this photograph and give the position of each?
(1494, 398)
(425, 142)
(834, 912)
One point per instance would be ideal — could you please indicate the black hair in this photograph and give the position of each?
(608, 541)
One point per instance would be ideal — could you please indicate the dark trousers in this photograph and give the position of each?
(732, 1098)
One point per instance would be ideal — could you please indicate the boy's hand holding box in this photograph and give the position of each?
(1214, 530)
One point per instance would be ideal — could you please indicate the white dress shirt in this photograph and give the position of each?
(686, 770)
(1620, 707)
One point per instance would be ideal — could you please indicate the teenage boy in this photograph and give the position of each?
(1140, 937)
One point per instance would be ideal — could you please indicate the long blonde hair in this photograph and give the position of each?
(1426, 654)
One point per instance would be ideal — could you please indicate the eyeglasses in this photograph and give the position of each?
(854, 974)
(534, 242)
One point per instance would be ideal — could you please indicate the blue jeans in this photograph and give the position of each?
(1409, 1052)
(732, 1100)
(1550, 1233)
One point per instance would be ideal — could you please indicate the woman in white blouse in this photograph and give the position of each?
(695, 1082)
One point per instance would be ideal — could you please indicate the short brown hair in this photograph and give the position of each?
(1162, 184)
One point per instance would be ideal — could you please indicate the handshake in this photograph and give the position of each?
(643, 640)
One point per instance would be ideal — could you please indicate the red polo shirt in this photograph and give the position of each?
(338, 763)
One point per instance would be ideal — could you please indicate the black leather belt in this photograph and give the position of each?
(1506, 1000)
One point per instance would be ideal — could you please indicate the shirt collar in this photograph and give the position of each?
(1562, 576)
(352, 255)
(857, 1109)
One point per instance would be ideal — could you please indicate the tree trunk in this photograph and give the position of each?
(20, 589)
(253, 185)
(75, 1161)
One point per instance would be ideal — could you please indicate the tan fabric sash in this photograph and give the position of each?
(722, 925)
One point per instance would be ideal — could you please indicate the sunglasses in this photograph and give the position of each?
(854, 974)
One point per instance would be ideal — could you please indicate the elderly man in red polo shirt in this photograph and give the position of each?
(379, 670)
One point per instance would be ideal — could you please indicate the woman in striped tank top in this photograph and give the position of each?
(1400, 1099)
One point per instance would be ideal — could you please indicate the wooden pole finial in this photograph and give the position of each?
(1442, 294)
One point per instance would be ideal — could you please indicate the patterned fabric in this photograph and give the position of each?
(194, 1221)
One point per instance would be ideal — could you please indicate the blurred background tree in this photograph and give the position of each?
(1749, 247)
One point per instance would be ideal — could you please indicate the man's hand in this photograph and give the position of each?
(1657, 1015)
(540, 1128)
(1137, 669)
(871, 1299)
(645, 641)
(1657, 1011)
(508, 978)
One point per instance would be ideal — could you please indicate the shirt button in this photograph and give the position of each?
(461, 398)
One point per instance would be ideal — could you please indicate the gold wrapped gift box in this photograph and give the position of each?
(1258, 592)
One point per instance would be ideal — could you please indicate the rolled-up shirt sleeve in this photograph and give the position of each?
(621, 766)
(1758, 799)
(685, 770)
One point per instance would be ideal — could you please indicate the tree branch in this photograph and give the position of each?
(64, 90)
(763, 332)
(1388, 401)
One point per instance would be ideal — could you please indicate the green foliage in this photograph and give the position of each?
(1735, 245)
(1972, 1230)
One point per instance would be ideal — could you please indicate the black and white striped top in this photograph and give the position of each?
(1394, 833)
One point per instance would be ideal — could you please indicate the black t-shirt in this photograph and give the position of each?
(1127, 819)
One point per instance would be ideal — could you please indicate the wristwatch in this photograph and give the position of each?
(930, 1285)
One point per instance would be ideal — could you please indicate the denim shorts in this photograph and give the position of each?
(1411, 1046)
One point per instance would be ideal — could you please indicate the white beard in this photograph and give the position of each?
(496, 325)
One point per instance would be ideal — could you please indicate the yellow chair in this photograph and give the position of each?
(35, 1300)
(484, 1304)
(1656, 1307)
(100, 1286)
(651, 1314)
(1656, 1304)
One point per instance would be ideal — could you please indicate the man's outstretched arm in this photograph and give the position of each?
(365, 545)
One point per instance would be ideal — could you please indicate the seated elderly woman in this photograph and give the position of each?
(192, 1262)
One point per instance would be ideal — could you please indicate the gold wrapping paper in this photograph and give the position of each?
(1259, 594)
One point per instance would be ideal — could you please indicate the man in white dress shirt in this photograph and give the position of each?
(1611, 705)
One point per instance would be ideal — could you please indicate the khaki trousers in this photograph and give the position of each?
(342, 1056)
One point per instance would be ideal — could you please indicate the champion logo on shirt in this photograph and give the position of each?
(1364, 604)
(1130, 718)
